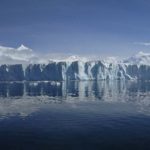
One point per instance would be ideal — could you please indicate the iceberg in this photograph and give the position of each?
(22, 64)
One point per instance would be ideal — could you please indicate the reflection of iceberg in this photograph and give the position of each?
(25, 98)
(80, 89)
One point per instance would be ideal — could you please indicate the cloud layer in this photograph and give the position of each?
(143, 43)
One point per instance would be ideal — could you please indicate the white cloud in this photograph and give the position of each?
(25, 55)
(142, 43)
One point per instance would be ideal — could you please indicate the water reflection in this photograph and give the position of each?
(25, 98)
(97, 90)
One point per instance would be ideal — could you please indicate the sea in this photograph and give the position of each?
(75, 115)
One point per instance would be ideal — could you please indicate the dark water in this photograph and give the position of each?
(75, 115)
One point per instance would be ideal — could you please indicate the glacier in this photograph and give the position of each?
(77, 70)
(22, 64)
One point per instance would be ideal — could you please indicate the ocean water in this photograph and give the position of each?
(83, 115)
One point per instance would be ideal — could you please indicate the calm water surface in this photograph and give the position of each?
(75, 115)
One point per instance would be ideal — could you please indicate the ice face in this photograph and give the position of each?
(18, 64)
(63, 71)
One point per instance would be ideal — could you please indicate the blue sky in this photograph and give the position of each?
(100, 27)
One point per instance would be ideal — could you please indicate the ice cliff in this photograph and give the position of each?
(22, 64)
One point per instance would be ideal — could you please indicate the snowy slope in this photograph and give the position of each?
(140, 58)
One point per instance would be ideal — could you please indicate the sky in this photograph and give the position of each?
(93, 27)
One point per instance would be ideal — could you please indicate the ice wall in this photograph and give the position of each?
(77, 70)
